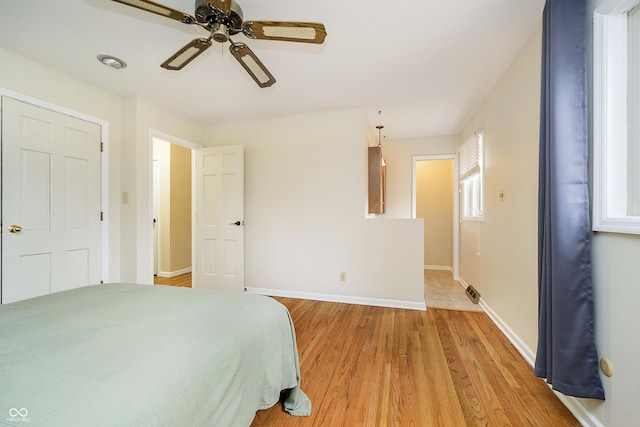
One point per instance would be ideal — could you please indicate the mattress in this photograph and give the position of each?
(137, 355)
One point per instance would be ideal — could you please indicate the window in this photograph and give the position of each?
(470, 178)
(616, 128)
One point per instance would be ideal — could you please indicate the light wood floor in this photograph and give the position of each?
(373, 366)
(184, 280)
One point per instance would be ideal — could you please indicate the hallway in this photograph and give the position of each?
(441, 291)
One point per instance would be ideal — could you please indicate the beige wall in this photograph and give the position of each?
(174, 224)
(434, 204)
(180, 208)
(399, 154)
(162, 154)
(499, 256)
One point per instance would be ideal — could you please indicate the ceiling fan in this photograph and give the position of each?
(222, 19)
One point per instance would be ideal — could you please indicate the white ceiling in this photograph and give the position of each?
(426, 64)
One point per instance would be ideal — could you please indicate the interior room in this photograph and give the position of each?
(292, 187)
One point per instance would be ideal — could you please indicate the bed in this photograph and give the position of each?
(136, 355)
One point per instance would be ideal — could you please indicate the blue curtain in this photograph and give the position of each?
(566, 354)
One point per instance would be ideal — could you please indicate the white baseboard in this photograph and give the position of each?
(438, 267)
(169, 274)
(582, 414)
(524, 350)
(377, 302)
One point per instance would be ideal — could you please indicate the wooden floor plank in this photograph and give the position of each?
(183, 280)
(373, 366)
(445, 408)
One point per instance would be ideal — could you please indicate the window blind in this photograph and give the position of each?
(470, 157)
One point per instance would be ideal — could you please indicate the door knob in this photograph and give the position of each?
(15, 228)
(238, 223)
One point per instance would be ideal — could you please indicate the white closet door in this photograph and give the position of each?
(50, 201)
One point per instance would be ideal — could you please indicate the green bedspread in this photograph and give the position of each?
(136, 355)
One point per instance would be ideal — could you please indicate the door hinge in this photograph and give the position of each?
(102, 147)
(101, 216)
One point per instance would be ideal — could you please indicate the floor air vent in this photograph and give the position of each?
(473, 294)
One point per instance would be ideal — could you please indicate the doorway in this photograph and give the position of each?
(434, 204)
(172, 208)
(212, 234)
(435, 200)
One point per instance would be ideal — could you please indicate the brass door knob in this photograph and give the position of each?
(15, 228)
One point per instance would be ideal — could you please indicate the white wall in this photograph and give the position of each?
(128, 149)
(305, 195)
(306, 188)
(25, 77)
(139, 116)
(616, 293)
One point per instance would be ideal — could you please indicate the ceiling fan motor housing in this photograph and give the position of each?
(206, 13)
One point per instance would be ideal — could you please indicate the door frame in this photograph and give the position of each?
(158, 134)
(456, 203)
(156, 215)
(105, 276)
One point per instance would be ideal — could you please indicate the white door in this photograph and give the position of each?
(51, 236)
(218, 233)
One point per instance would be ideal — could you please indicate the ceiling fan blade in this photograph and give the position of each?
(159, 9)
(305, 32)
(252, 64)
(187, 54)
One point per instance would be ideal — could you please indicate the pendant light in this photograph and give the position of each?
(382, 162)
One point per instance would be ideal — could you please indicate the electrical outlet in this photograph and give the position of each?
(343, 276)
